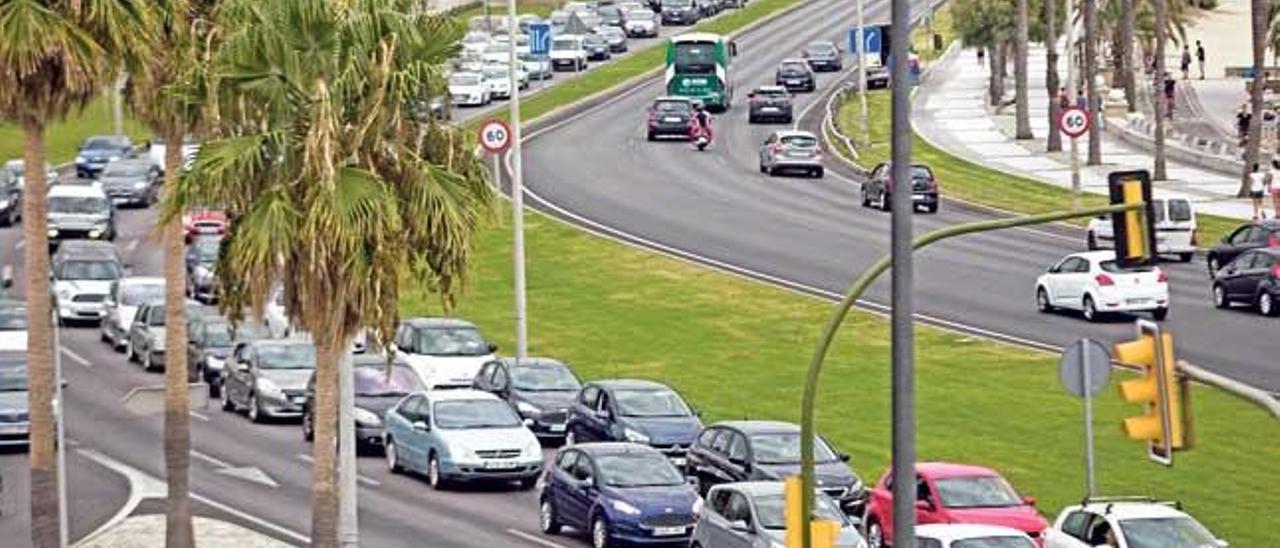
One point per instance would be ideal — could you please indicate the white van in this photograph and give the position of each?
(1175, 229)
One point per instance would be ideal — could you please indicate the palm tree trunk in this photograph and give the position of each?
(1126, 64)
(1252, 151)
(324, 484)
(177, 421)
(1022, 109)
(995, 86)
(44, 488)
(1160, 172)
(1051, 76)
(1090, 75)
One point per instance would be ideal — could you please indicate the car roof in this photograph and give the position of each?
(434, 322)
(531, 362)
(141, 280)
(87, 254)
(771, 88)
(672, 98)
(76, 191)
(627, 384)
(613, 448)
(130, 160)
(370, 359)
(794, 133)
(760, 427)
(88, 246)
(961, 531)
(290, 341)
(1096, 256)
(952, 470)
(459, 394)
(13, 357)
(1130, 509)
(791, 61)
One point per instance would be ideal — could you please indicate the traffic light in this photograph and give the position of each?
(1134, 230)
(1161, 425)
(824, 534)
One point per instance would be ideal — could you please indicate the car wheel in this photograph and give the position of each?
(884, 201)
(227, 404)
(875, 536)
(818, 173)
(528, 483)
(1186, 257)
(308, 429)
(1091, 241)
(1266, 304)
(751, 119)
(652, 137)
(215, 389)
(600, 533)
(547, 518)
(393, 459)
(433, 473)
(129, 355)
(1220, 296)
(931, 208)
(763, 169)
(1042, 300)
(1213, 264)
(255, 412)
(569, 439)
(1160, 314)
(1090, 310)
(866, 200)
(146, 361)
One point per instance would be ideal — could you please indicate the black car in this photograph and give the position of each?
(736, 451)
(377, 389)
(210, 339)
(823, 56)
(795, 75)
(679, 12)
(707, 8)
(611, 16)
(97, 151)
(669, 116)
(597, 47)
(769, 103)
(637, 411)
(202, 254)
(878, 188)
(615, 37)
(131, 181)
(11, 193)
(1253, 278)
(541, 390)
(1243, 238)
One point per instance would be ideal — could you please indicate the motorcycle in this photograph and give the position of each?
(700, 136)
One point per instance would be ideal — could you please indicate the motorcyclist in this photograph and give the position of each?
(701, 122)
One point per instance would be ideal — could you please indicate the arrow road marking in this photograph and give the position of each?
(76, 357)
(361, 478)
(247, 473)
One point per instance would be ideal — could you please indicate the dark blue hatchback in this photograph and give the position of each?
(620, 493)
(637, 411)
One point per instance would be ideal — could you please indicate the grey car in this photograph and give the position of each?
(79, 212)
(210, 340)
(378, 387)
(145, 343)
(769, 103)
(15, 408)
(615, 37)
(268, 378)
(131, 181)
(791, 150)
(752, 515)
(823, 56)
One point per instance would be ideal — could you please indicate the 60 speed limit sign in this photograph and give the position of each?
(495, 136)
(1074, 122)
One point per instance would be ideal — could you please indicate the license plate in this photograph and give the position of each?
(793, 82)
(917, 196)
(768, 109)
(1137, 301)
(678, 461)
(556, 428)
(671, 119)
(13, 428)
(667, 531)
(500, 465)
(118, 201)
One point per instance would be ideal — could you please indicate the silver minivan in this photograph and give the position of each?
(1175, 221)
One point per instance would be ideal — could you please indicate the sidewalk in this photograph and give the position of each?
(147, 531)
(950, 112)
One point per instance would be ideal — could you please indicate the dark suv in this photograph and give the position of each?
(878, 188)
(637, 411)
(669, 116)
(1252, 278)
(1243, 238)
(97, 151)
(679, 12)
(737, 451)
(823, 56)
(541, 390)
(772, 103)
(795, 75)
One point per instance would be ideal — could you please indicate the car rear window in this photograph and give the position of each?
(1115, 268)
(921, 172)
(1179, 211)
(771, 92)
(793, 66)
(819, 48)
(800, 141)
(671, 106)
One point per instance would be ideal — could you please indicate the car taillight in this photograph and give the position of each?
(1162, 278)
(1195, 237)
(1273, 240)
(1104, 280)
(1275, 271)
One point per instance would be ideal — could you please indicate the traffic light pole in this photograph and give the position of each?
(854, 294)
(1086, 382)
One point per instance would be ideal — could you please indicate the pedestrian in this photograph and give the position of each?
(1200, 58)
(1275, 190)
(1259, 182)
(1243, 118)
(982, 54)
(1064, 101)
(1169, 84)
(1185, 62)
(1081, 102)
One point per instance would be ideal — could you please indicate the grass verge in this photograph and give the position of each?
(739, 349)
(63, 139)
(541, 8)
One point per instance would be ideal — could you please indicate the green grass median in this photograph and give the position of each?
(738, 349)
(63, 139)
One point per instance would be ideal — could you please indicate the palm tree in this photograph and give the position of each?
(1022, 109)
(1273, 30)
(1251, 154)
(54, 57)
(1127, 72)
(1090, 79)
(335, 185)
(1054, 143)
(1160, 28)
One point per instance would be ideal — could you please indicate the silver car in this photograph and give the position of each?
(268, 378)
(145, 343)
(791, 150)
(131, 181)
(752, 515)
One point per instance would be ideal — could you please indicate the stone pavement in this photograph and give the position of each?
(950, 111)
(147, 531)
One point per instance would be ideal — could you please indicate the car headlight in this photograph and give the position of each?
(64, 294)
(635, 436)
(94, 233)
(527, 409)
(460, 451)
(214, 363)
(697, 507)
(624, 507)
(366, 417)
(533, 449)
(140, 185)
(4, 204)
(53, 232)
(113, 158)
(81, 160)
(269, 389)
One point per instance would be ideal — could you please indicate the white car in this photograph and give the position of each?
(156, 148)
(641, 22)
(522, 43)
(498, 81)
(568, 53)
(475, 42)
(1175, 222)
(537, 67)
(123, 300)
(1094, 284)
(495, 52)
(469, 89)
(1127, 524)
(956, 535)
(276, 319)
(446, 352)
(13, 325)
(16, 168)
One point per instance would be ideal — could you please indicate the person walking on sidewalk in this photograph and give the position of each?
(1275, 190)
(1081, 101)
(1169, 85)
(982, 54)
(1259, 183)
(1200, 58)
(1185, 62)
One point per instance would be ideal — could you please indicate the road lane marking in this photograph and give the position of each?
(76, 357)
(21, 244)
(534, 539)
(128, 249)
(361, 478)
(141, 486)
(304, 539)
(211, 460)
(199, 416)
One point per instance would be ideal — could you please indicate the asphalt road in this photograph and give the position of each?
(716, 208)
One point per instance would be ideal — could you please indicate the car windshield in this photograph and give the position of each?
(1115, 268)
(125, 169)
(594, 40)
(639, 15)
(13, 377)
(564, 45)
(1166, 532)
(496, 73)
(819, 49)
(78, 204)
(793, 66)
(450, 341)
(800, 141)
(89, 270)
(468, 79)
(784, 448)
(218, 334)
(677, 3)
(638, 470)
(695, 57)
(462, 414)
(771, 93)
(496, 48)
(977, 492)
(97, 143)
(544, 378)
(138, 294)
(287, 356)
(157, 316)
(13, 318)
(476, 38)
(770, 510)
(650, 402)
(206, 250)
(672, 107)
(994, 542)
(374, 381)
(1179, 211)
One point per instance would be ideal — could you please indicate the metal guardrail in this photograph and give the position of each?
(831, 127)
(1256, 396)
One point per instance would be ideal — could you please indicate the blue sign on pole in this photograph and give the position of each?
(540, 38)
(870, 35)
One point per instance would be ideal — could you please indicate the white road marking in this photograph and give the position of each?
(361, 478)
(247, 473)
(141, 486)
(199, 416)
(76, 357)
(21, 244)
(534, 539)
(301, 538)
(211, 460)
(133, 244)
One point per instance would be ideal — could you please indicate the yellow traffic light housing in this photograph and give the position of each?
(823, 534)
(1134, 229)
(1161, 425)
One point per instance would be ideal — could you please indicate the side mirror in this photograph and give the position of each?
(844, 457)
(1029, 501)
(421, 426)
(1053, 269)
(528, 423)
(6, 276)
(493, 347)
(751, 95)
(740, 526)
(924, 504)
(64, 382)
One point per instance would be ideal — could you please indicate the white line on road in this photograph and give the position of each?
(21, 244)
(304, 539)
(359, 477)
(211, 460)
(128, 249)
(76, 357)
(534, 539)
(199, 416)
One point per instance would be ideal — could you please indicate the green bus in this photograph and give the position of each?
(698, 68)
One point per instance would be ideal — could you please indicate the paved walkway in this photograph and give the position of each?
(147, 531)
(950, 112)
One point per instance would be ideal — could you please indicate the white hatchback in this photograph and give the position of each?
(1094, 284)
(1128, 524)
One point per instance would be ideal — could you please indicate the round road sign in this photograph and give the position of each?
(1082, 355)
(495, 136)
(1074, 122)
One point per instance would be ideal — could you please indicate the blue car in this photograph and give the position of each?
(637, 411)
(460, 435)
(97, 151)
(621, 493)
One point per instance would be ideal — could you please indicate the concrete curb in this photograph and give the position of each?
(1189, 149)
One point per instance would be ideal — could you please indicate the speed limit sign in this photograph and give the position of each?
(1074, 122)
(495, 136)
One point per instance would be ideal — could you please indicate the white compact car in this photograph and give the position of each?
(469, 89)
(123, 300)
(1175, 222)
(568, 53)
(1127, 524)
(475, 42)
(964, 535)
(445, 352)
(1094, 284)
(498, 81)
(641, 23)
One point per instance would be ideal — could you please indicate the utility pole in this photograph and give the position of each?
(862, 74)
(117, 106)
(517, 191)
(348, 515)
(1071, 90)
(60, 418)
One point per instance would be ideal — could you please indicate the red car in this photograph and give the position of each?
(196, 223)
(954, 493)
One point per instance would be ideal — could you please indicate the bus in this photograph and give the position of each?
(698, 68)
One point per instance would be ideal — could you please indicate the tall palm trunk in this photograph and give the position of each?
(1255, 98)
(44, 488)
(1051, 76)
(1128, 71)
(1160, 172)
(324, 476)
(1090, 75)
(996, 84)
(177, 421)
(1022, 109)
